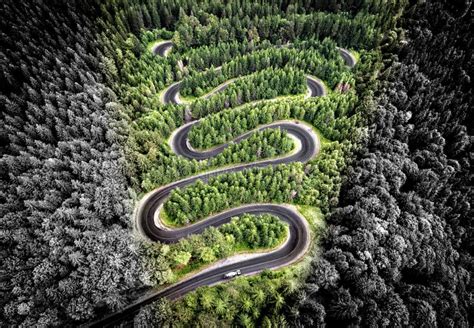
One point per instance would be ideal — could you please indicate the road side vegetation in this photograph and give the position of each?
(168, 263)
(260, 145)
(241, 302)
(309, 56)
(329, 114)
(229, 190)
(265, 84)
(266, 144)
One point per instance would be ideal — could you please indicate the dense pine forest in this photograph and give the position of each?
(349, 122)
(398, 249)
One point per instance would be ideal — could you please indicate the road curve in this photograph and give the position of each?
(162, 48)
(348, 57)
(147, 212)
(316, 87)
(147, 218)
(179, 141)
(293, 249)
(171, 95)
(148, 208)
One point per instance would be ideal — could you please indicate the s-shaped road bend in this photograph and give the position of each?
(147, 211)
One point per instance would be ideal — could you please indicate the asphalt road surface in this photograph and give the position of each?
(315, 86)
(171, 95)
(348, 57)
(291, 251)
(161, 48)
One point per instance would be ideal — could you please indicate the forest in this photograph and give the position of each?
(398, 248)
(385, 199)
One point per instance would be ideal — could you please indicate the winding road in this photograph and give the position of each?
(147, 211)
(348, 57)
(315, 86)
(171, 94)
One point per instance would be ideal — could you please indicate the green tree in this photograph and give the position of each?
(182, 258)
(207, 255)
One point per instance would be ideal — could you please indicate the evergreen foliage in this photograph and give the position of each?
(167, 263)
(398, 251)
(64, 215)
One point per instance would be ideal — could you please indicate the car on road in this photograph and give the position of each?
(232, 274)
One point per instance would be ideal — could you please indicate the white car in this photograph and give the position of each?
(232, 274)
